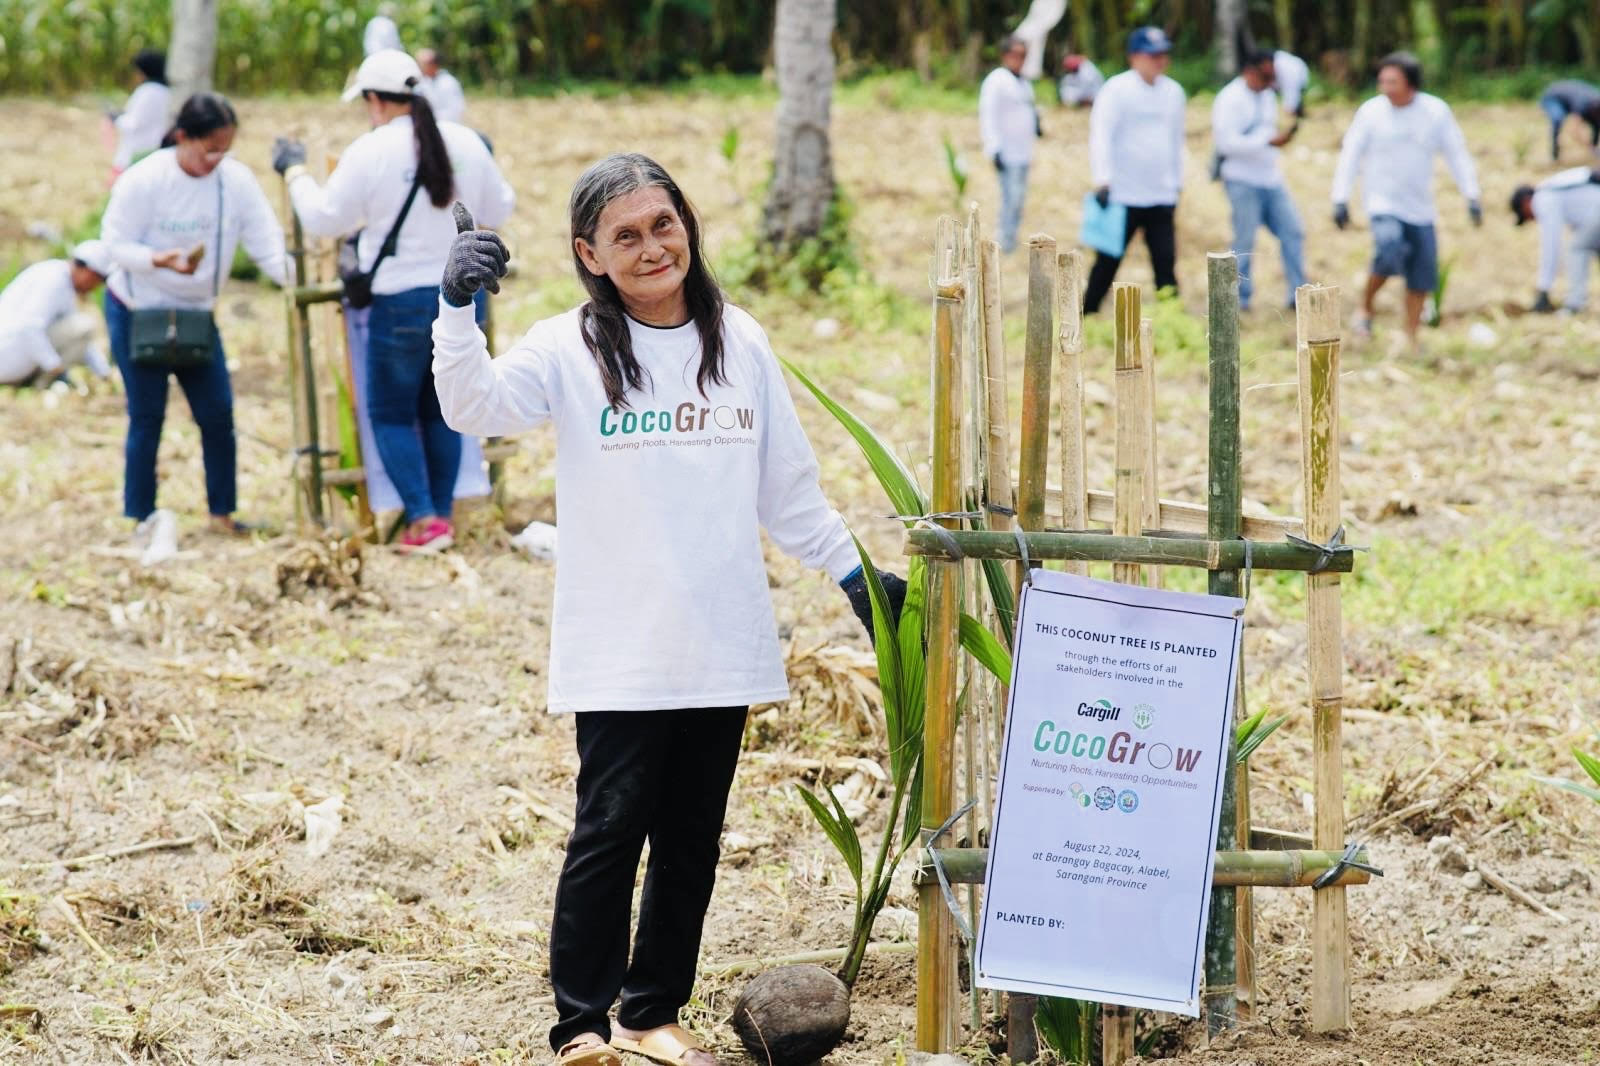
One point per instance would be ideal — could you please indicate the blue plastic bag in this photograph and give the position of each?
(1105, 229)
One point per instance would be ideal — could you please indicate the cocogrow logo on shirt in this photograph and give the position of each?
(685, 418)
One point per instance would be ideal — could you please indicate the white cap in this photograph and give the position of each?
(96, 255)
(388, 71)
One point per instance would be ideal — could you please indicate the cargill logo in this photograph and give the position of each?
(1100, 710)
(685, 418)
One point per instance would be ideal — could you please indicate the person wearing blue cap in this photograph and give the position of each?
(1136, 158)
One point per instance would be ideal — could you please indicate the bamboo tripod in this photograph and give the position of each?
(327, 458)
(1146, 533)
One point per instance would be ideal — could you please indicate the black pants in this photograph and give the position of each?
(661, 776)
(1159, 236)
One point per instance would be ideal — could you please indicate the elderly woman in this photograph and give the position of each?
(677, 443)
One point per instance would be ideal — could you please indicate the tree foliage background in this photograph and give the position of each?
(64, 45)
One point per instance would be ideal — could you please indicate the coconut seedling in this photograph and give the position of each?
(795, 1015)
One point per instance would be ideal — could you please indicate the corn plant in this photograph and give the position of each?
(900, 646)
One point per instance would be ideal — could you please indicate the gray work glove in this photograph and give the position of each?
(286, 154)
(477, 261)
(1102, 196)
(1475, 212)
(1341, 215)
(1542, 304)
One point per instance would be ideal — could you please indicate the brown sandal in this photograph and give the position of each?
(588, 1053)
(667, 1045)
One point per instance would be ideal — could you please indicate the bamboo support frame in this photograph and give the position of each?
(1317, 327)
(1177, 516)
(1296, 868)
(1150, 510)
(1224, 494)
(936, 946)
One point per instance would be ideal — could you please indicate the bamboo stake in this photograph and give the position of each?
(1294, 868)
(1223, 506)
(1036, 382)
(1022, 1041)
(1317, 322)
(997, 486)
(1113, 548)
(1073, 496)
(1132, 426)
(1133, 446)
(1178, 516)
(975, 472)
(936, 954)
(1152, 500)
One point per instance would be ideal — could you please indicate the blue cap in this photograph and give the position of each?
(1149, 40)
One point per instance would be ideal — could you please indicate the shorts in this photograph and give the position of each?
(1404, 249)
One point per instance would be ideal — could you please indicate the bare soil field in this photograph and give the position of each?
(209, 702)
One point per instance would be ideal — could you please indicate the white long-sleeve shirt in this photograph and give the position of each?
(1562, 202)
(1292, 78)
(1080, 86)
(143, 122)
(368, 188)
(1007, 119)
(38, 298)
(661, 597)
(1243, 125)
(1136, 139)
(445, 96)
(1394, 148)
(156, 206)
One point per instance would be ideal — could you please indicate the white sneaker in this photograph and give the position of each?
(158, 534)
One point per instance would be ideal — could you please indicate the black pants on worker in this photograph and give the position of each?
(661, 776)
(1159, 236)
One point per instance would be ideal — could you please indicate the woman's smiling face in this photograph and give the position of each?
(642, 245)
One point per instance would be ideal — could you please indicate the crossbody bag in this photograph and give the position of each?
(172, 338)
(357, 282)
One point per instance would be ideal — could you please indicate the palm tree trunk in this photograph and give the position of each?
(802, 166)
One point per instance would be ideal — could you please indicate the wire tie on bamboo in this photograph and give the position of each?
(1348, 861)
(931, 858)
(1335, 547)
(928, 521)
(1249, 568)
(1022, 551)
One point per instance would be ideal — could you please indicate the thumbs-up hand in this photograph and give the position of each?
(477, 261)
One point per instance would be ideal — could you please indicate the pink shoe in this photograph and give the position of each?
(437, 535)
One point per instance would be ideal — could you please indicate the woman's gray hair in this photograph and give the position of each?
(604, 318)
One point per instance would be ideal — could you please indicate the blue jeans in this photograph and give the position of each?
(420, 453)
(1013, 191)
(1253, 207)
(210, 396)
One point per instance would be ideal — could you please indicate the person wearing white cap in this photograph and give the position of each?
(1136, 158)
(441, 87)
(41, 329)
(395, 185)
(380, 35)
(174, 222)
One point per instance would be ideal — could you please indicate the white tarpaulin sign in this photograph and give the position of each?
(1100, 855)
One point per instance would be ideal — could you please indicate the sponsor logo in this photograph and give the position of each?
(1099, 710)
(1105, 797)
(1127, 801)
(685, 418)
(1144, 716)
(1079, 796)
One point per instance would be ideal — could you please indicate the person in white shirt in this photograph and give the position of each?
(1008, 123)
(1245, 134)
(1392, 143)
(1293, 77)
(1566, 201)
(1136, 158)
(380, 35)
(142, 122)
(400, 178)
(175, 219)
(677, 443)
(42, 332)
(443, 91)
(1080, 80)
